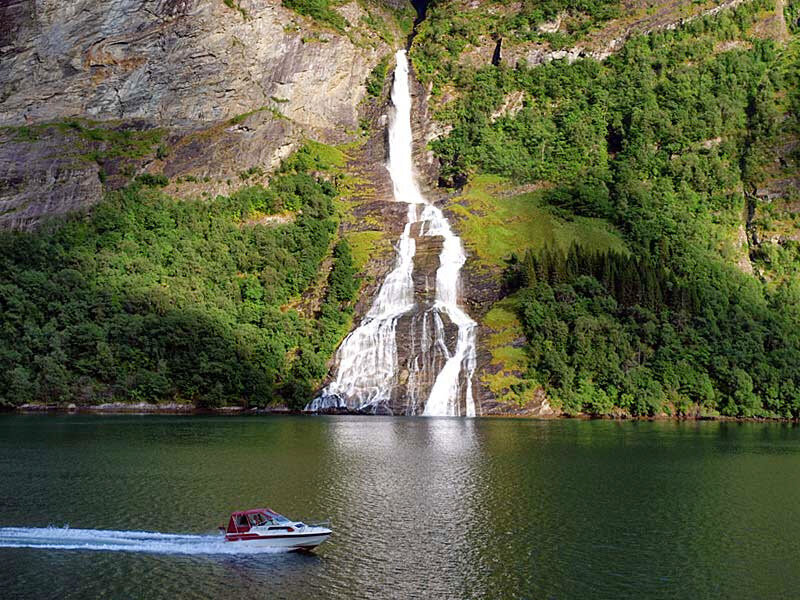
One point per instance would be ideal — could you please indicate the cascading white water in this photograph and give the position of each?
(443, 399)
(367, 361)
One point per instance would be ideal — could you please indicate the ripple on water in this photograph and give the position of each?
(422, 508)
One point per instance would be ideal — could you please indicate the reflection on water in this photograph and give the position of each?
(413, 483)
(422, 508)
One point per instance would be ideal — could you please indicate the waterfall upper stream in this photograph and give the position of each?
(414, 351)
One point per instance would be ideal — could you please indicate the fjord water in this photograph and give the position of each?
(422, 508)
(367, 366)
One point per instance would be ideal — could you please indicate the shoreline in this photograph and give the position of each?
(142, 408)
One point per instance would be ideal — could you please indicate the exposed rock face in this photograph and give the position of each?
(213, 158)
(479, 289)
(420, 357)
(230, 90)
(420, 352)
(179, 63)
(602, 42)
(188, 66)
(774, 206)
(425, 130)
(415, 337)
(39, 180)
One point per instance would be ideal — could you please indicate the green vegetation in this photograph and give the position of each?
(496, 222)
(578, 16)
(241, 118)
(314, 156)
(151, 298)
(378, 23)
(615, 202)
(152, 180)
(792, 16)
(451, 28)
(232, 4)
(510, 361)
(116, 147)
(114, 142)
(117, 140)
(254, 171)
(366, 243)
(658, 142)
(319, 10)
(377, 77)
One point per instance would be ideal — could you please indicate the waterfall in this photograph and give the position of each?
(368, 366)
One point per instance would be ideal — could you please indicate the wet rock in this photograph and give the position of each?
(425, 130)
(426, 262)
(537, 407)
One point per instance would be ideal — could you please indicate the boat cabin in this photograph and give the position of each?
(241, 521)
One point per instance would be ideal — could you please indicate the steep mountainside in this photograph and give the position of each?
(209, 268)
(197, 192)
(222, 87)
(632, 179)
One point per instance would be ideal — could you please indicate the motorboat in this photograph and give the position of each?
(263, 527)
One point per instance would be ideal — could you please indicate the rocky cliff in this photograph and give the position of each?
(231, 85)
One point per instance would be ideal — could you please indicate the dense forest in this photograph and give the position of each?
(150, 298)
(666, 140)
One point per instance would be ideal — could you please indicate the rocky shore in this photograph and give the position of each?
(175, 408)
(171, 408)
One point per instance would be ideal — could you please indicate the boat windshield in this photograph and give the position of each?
(265, 518)
(280, 519)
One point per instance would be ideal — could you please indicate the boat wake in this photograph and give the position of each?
(64, 538)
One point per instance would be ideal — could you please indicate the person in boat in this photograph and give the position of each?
(261, 519)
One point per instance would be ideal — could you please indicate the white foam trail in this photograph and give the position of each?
(65, 538)
(367, 359)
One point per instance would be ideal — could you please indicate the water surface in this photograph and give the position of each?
(422, 508)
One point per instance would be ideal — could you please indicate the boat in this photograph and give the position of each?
(264, 528)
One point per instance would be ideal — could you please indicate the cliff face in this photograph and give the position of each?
(195, 68)
(176, 63)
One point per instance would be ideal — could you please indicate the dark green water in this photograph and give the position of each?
(422, 508)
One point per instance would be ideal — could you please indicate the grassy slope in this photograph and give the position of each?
(495, 221)
(339, 164)
(509, 361)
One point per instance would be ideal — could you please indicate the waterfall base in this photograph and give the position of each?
(414, 350)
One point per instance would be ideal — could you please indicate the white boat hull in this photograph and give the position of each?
(297, 540)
